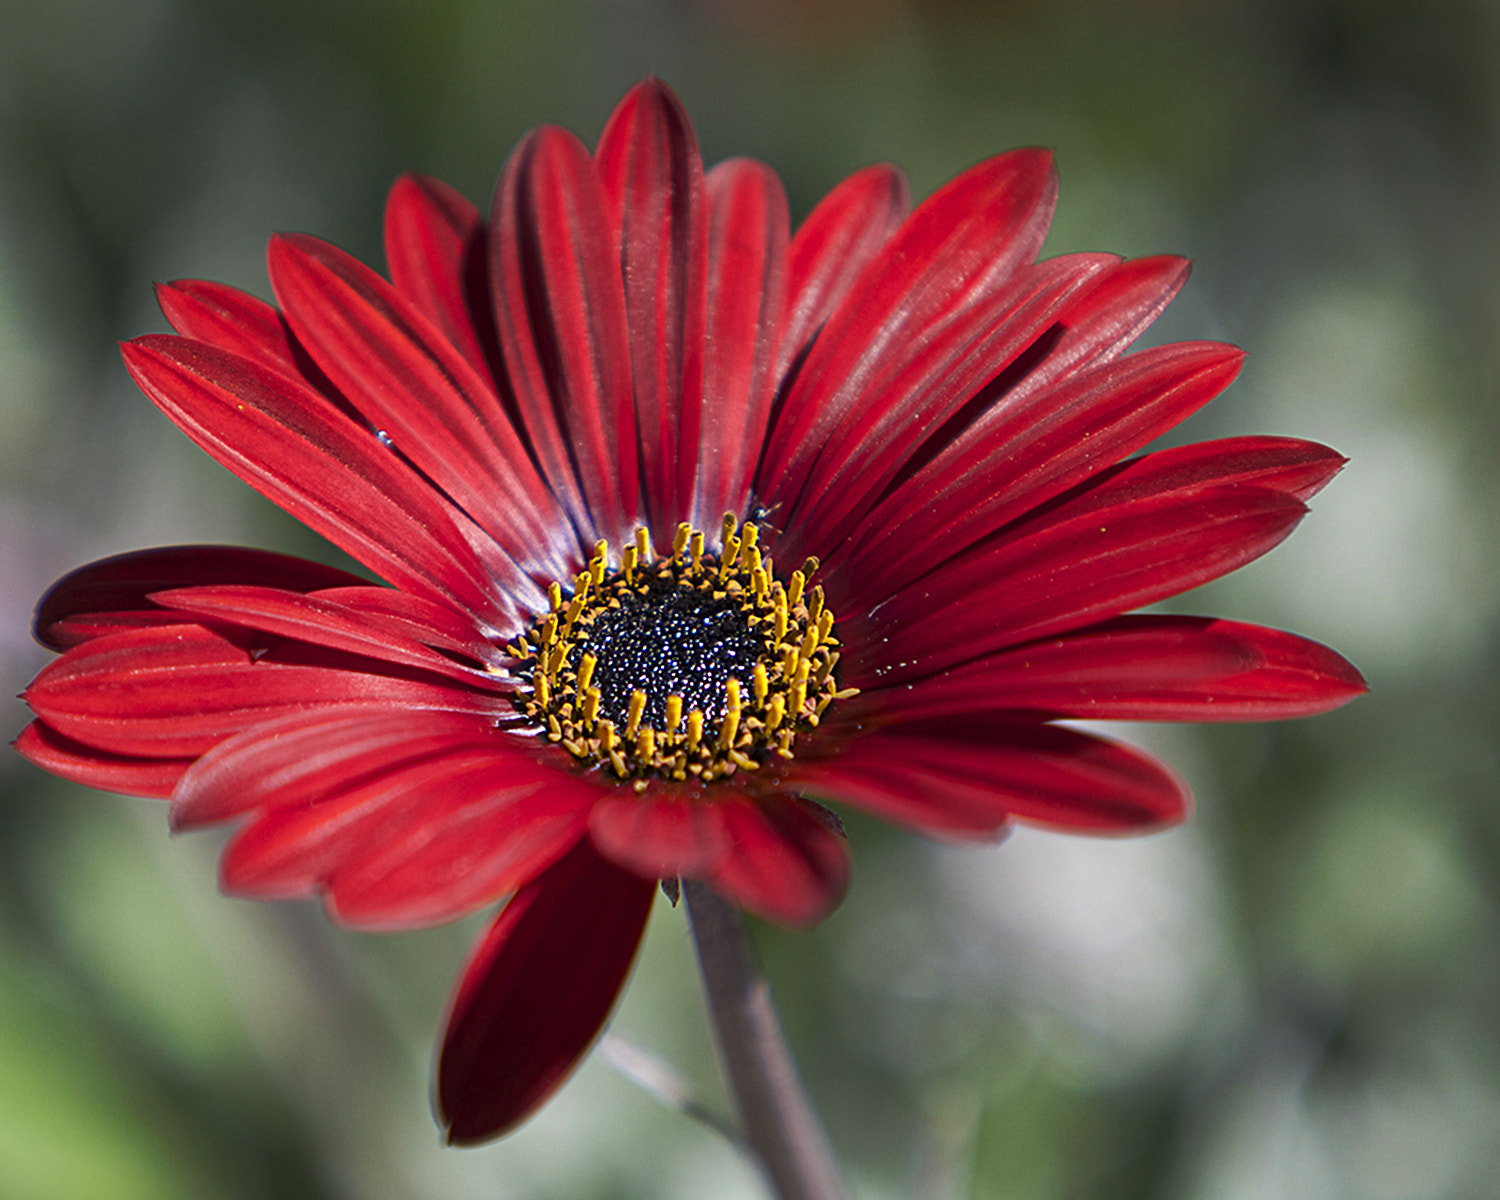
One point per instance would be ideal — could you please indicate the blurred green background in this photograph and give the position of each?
(1295, 997)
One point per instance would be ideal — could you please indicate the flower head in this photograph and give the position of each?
(687, 524)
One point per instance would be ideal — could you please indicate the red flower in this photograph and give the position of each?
(542, 702)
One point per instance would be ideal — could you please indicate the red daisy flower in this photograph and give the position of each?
(572, 439)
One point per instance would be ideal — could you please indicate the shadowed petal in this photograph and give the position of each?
(652, 177)
(840, 236)
(111, 594)
(971, 776)
(123, 773)
(661, 834)
(747, 249)
(536, 991)
(1144, 668)
(560, 305)
(435, 255)
(788, 864)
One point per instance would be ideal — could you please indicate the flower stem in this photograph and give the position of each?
(779, 1122)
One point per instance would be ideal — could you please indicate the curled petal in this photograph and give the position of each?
(124, 773)
(536, 991)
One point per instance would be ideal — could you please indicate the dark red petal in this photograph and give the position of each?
(179, 690)
(969, 778)
(787, 862)
(747, 249)
(109, 595)
(840, 236)
(1027, 448)
(661, 835)
(959, 247)
(232, 320)
(294, 447)
(319, 621)
(302, 758)
(652, 177)
(536, 992)
(1148, 529)
(560, 307)
(1145, 668)
(427, 401)
(917, 388)
(126, 774)
(435, 254)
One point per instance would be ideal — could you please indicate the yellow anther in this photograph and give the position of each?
(643, 545)
(729, 729)
(549, 630)
(799, 698)
(779, 623)
(794, 589)
(680, 540)
(728, 529)
(645, 745)
(809, 641)
(732, 695)
(555, 658)
(815, 607)
(825, 625)
(586, 666)
(742, 761)
(591, 707)
(633, 716)
(554, 595)
(697, 542)
(606, 732)
(628, 558)
(730, 553)
(790, 661)
(775, 711)
(810, 565)
(617, 760)
(543, 690)
(694, 729)
(751, 556)
(749, 533)
(674, 712)
(600, 562)
(760, 683)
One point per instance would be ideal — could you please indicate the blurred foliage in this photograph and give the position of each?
(1296, 996)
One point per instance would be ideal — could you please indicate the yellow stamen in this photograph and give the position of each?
(674, 712)
(633, 716)
(586, 666)
(760, 684)
(643, 545)
(694, 729)
(680, 540)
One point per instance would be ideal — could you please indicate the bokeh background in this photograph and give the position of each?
(1295, 997)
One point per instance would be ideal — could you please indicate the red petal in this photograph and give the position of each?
(660, 835)
(652, 177)
(747, 249)
(179, 690)
(971, 778)
(423, 396)
(130, 776)
(963, 244)
(436, 257)
(294, 447)
(787, 864)
(560, 304)
(302, 758)
(1027, 449)
(832, 247)
(109, 595)
(423, 620)
(536, 991)
(1147, 530)
(320, 621)
(916, 389)
(231, 320)
(1145, 668)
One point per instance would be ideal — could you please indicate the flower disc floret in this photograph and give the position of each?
(693, 664)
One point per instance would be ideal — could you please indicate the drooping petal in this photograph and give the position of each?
(110, 595)
(971, 776)
(560, 306)
(1027, 448)
(959, 247)
(788, 863)
(1144, 668)
(652, 177)
(127, 774)
(536, 991)
(435, 254)
(427, 401)
(298, 450)
(747, 259)
(179, 690)
(661, 835)
(1148, 529)
(840, 236)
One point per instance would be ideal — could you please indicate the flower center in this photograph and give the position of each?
(692, 664)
